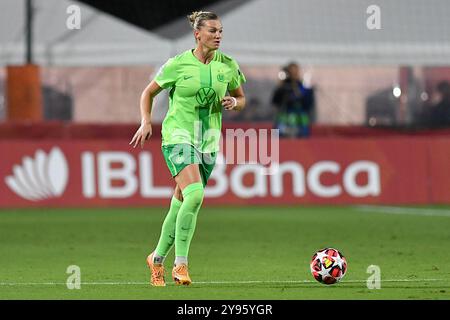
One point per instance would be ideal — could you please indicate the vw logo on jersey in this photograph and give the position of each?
(205, 96)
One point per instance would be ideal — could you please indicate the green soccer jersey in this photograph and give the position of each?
(195, 93)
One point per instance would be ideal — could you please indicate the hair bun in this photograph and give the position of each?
(196, 18)
(193, 16)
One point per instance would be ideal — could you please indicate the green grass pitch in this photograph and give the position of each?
(236, 253)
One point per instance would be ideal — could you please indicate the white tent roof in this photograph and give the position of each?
(336, 32)
(101, 40)
(256, 32)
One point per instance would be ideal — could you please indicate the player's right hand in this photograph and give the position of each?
(142, 134)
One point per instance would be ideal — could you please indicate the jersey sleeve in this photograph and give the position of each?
(237, 77)
(167, 74)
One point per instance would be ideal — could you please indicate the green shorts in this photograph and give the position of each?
(178, 156)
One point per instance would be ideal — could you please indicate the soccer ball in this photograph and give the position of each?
(328, 266)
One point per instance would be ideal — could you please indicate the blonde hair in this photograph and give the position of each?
(198, 18)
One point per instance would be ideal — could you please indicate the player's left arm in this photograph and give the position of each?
(235, 101)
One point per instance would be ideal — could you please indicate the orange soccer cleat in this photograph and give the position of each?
(157, 269)
(180, 275)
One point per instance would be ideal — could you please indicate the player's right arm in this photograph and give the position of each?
(146, 102)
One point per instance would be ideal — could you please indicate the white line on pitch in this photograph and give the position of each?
(312, 281)
(214, 282)
(405, 210)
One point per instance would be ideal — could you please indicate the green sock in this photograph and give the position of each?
(187, 218)
(167, 237)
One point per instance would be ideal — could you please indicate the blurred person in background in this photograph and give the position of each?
(294, 102)
(439, 112)
(198, 80)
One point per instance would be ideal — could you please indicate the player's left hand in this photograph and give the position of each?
(229, 103)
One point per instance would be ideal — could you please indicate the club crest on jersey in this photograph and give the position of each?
(205, 96)
(221, 77)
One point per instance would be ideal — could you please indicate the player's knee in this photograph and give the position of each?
(197, 197)
(194, 194)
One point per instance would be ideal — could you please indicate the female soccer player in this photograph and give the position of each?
(198, 81)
